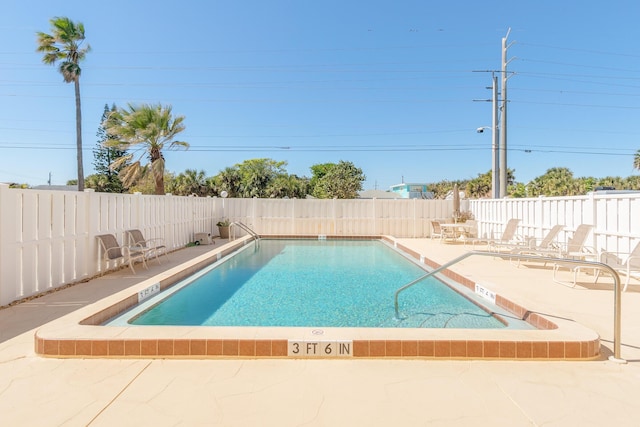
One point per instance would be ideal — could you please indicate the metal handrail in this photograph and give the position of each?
(617, 305)
(246, 228)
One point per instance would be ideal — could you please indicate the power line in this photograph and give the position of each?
(574, 49)
(368, 148)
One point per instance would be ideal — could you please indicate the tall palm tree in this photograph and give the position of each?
(147, 129)
(64, 46)
(636, 160)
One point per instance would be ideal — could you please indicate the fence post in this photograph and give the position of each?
(594, 218)
(93, 213)
(9, 278)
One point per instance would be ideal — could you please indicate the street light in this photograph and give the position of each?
(495, 161)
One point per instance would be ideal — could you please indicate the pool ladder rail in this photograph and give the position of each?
(247, 229)
(576, 263)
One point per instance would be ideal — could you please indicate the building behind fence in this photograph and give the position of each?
(48, 238)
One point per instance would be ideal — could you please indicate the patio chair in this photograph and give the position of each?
(441, 233)
(508, 236)
(112, 251)
(154, 247)
(630, 267)
(575, 249)
(470, 231)
(547, 246)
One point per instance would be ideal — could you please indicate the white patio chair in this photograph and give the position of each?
(507, 237)
(630, 266)
(548, 246)
(112, 251)
(441, 233)
(155, 246)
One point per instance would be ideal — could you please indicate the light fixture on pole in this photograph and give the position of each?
(495, 137)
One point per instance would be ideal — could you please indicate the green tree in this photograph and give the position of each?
(632, 182)
(290, 186)
(318, 171)
(342, 181)
(611, 181)
(18, 185)
(518, 190)
(228, 180)
(636, 160)
(190, 182)
(106, 178)
(148, 129)
(555, 182)
(440, 189)
(479, 187)
(64, 46)
(257, 174)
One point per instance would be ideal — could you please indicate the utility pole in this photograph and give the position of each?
(503, 131)
(495, 162)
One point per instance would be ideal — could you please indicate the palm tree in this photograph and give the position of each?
(228, 180)
(191, 182)
(64, 46)
(150, 128)
(636, 160)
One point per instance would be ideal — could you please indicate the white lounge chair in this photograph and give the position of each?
(630, 266)
(546, 247)
(575, 248)
(507, 237)
(155, 247)
(112, 251)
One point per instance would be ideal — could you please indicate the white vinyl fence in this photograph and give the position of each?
(47, 238)
(615, 217)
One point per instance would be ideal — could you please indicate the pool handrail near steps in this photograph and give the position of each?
(247, 229)
(617, 309)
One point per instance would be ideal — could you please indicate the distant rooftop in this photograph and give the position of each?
(56, 187)
(378, 194)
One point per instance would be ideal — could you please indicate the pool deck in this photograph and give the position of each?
(38, 391)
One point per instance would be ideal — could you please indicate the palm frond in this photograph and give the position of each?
(131, 174)
(120, 161)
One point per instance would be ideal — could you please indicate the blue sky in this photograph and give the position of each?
(392, 86)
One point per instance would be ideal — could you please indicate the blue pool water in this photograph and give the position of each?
(315, 283)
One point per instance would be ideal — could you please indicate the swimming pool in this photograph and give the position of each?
(82, 333)
(314, 283)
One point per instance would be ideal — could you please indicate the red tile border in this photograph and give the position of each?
(426, 348)
(456, 349)
(149, 347)
(165, 347)
(214, 347)
(246, 348)
(361, 348)
(409, 348)
(230, 348)
(279, 348)
(181, 348)
(263, 348)
(132, 348)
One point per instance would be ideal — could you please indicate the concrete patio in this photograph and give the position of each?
(38, 391)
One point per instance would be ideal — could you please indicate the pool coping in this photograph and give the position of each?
(80, 334)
